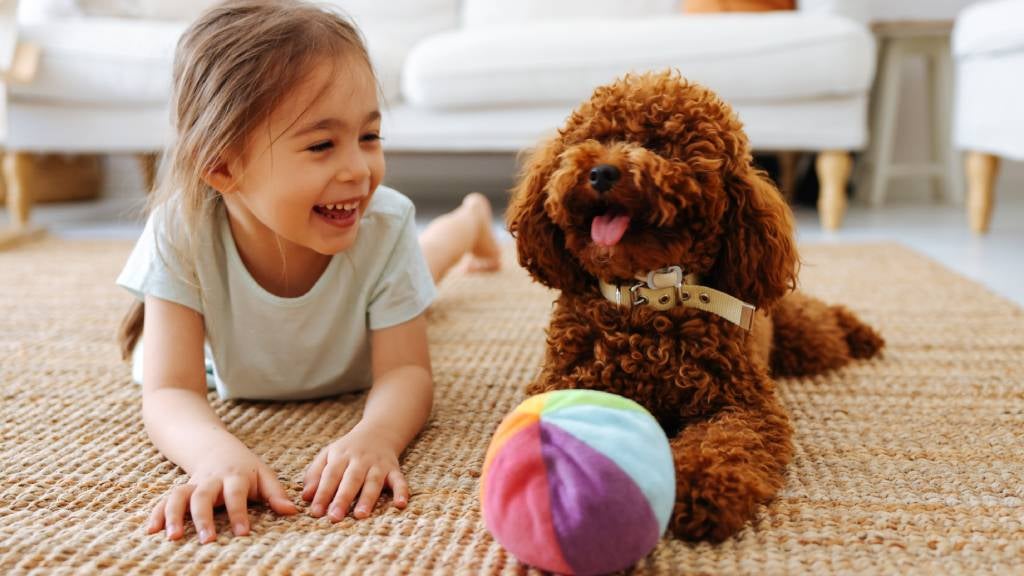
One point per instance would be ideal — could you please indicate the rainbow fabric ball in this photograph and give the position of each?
(578, 482)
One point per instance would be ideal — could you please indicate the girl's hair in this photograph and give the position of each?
(232, 67)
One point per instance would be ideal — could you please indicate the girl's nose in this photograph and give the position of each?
(353, 167)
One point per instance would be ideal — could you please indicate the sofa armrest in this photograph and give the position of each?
(8, 33)
(853, 9)
(19, 61)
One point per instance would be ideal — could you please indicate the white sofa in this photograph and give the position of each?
(988, 45)
(477, 75)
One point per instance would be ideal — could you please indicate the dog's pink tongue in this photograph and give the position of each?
(607, 230)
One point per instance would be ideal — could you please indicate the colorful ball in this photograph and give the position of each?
(578, 482)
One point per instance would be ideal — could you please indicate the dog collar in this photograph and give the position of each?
(669, 288)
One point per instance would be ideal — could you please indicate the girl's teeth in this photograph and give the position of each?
(350, 206)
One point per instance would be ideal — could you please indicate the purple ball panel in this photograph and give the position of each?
(602, 519)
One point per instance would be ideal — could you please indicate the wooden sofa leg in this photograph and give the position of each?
(787, 173)
(147, 163)
(19, 200)
(833, 168)
(981, 179)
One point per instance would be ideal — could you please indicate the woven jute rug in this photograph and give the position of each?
(911, 463)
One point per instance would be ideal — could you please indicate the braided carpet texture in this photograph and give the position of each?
(911, 463)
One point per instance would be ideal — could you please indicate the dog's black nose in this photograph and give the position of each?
(603, 176)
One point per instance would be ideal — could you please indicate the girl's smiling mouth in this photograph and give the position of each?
(341, 215)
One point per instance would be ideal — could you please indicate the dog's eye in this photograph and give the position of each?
(655, 145)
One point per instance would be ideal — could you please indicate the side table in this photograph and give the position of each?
(898, 41)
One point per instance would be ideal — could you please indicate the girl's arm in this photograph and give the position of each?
(365, 459)
(185, 429)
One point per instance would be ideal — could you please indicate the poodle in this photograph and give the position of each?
(646, 213)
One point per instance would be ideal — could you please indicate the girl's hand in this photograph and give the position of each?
(361, 462)
(229, 476)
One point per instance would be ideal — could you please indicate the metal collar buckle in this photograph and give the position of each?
(676, 271)
(638, 299)
(634, 292)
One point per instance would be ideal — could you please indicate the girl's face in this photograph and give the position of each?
(309, 171)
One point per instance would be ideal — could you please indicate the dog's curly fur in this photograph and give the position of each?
(694, 199)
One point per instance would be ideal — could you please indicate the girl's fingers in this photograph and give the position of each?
(236, 501)
(273, 493)
(174, 510)
(201, 505)
(369, 494)
(312, 476)
(399, 488)
(350, 485)
(327, 486)
(156, 518)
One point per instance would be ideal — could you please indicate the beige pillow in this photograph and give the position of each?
(702, 6)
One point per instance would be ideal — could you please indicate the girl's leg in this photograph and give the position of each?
(465, 230)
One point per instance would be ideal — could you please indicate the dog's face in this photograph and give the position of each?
(652, 172)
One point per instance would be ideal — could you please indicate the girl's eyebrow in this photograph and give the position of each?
(336, 123)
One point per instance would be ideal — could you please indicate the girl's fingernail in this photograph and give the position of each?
(204, 535)
(317, 510)
(361, 511)
(336, 513)
(240, 529)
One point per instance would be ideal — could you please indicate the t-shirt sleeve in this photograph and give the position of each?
(154, 269)
(405, 288)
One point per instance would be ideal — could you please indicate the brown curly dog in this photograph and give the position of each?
(646, 212)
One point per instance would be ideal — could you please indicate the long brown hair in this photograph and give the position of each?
(232, 67)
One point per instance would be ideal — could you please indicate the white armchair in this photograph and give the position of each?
(988, 45)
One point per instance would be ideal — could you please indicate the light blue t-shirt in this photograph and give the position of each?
(263, 346)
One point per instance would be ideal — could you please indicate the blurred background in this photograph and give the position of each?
(881, 121)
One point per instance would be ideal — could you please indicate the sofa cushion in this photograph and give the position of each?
(744, 57)
(101, 60)
(491, 13)
(98, 60)
(990, 28)
(394, 27)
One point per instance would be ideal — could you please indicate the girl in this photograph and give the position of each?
(271, 245)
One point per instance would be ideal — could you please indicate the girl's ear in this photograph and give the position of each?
(222, 177)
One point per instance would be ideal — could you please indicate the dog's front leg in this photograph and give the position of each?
(726, 465)
(569, 361)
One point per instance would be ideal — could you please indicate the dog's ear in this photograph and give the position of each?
(758, 260)
(539, 242)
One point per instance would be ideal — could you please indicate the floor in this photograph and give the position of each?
(938, 230)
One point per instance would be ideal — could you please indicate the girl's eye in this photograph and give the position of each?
(321, 147)
(371, 137)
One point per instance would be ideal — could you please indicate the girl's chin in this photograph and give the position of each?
(336, 243)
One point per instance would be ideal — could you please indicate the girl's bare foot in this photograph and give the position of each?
(485, 256)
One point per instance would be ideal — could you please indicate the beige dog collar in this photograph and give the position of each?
(668, 288)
